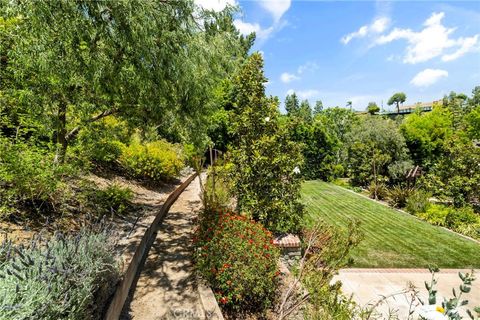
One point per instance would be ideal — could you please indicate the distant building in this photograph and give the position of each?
(423, 106)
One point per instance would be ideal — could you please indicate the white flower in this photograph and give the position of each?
(431, 312)
(296, 170)
(267, 119)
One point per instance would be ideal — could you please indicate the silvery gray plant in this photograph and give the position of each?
(62, 277)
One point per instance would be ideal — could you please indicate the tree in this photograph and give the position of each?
(372, 108)
(425, 134)
(349, 105)
(305, 111)
(456, 175)
(78, 62)
(397, 99)
(374, 146)
(318, 107)
(292, 104)
(338, 123)
(474, 101)
(265, 174)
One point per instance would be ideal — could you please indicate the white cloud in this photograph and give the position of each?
(288, 77)
(246, 28)
(428, 77)
(309, 66)
(277, 8)
(466, 45)
(215, 5)
(304, 94)
(432, 41)
(377, 26)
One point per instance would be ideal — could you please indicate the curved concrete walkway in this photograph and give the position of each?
(167, 286)
(369, 285)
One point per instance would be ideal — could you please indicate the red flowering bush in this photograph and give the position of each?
(237, 256)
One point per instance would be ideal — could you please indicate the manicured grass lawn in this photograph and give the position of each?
(392, 239)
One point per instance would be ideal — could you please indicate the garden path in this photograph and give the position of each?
(368, 285)
(166, 287)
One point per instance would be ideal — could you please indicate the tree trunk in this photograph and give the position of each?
(62, 142)
(398, 107)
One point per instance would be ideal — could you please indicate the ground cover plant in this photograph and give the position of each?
(392, 239)
(63, 277)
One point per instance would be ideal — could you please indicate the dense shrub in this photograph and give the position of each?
(113, 199)
(398, 195)
(104, 141)
(29, 175)
(158, 160)
(436, 214)
(461, 216)
(379, 189)
(66, 277)
(237, 257)
(418, 201)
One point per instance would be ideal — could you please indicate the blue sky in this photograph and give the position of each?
(336, 51)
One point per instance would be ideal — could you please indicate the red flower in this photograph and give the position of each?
(223, 300)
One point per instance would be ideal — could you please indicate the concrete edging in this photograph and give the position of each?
(121, 292)
(209, 303)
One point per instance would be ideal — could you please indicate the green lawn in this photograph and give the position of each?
(392, 238)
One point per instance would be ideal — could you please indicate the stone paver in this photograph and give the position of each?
(167, 288)
(369, 285)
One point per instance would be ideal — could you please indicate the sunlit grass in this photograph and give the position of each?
(391, 238)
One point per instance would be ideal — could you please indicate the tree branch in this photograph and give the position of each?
(102, 115)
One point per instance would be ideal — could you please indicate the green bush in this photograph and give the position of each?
(217, 187)
(114, 198)
(65, 277)
(382, 191)
(436, 214)
(237, 256)
(104, 140)
(29, 176)
(398, 195)
(461, 216)
(158, 160)
(418, 201)
(470, 230)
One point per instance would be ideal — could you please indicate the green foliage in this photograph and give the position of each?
(66, 277)
(28, 176)
(374, 146)
(460, 216)
(378, 190)
(436, 214)
(462, 220)
(237, 256)
(398, 195)
(372, 108)
(292, 104)
(329, 251)
(450, 307)
(104, 140)
(157, 161)
(456, 175)
(425, 134)
(397, 99)
(418, 201)
(265, 174)
(217, 188)
(150, 62)
(114, 199)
